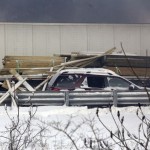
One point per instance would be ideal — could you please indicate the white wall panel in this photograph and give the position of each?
(2, 44)
(73, 38)
(145, 39)
(129, 35)
(46, 40)
(18, 39)
(100, 38)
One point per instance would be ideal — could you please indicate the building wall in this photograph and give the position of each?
(48, 39)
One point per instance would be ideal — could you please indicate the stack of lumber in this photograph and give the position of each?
(30, 64)
(127, 61)
(31, 61)
(124, 65)
(46, 64)
(128, 65)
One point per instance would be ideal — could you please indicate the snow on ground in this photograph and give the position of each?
(56, 116)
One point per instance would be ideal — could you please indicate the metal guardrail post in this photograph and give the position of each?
(115, 98)
(67, 98)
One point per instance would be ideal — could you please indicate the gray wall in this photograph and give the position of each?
(48, 39)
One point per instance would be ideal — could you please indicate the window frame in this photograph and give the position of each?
(72, 86)
(117, 77)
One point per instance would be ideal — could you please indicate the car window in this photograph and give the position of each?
(96, 81)
(67, 80)
(118, 82)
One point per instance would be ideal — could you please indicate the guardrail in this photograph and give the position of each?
(41, 98)
(87, 98)
(84, 98)
(132, 98)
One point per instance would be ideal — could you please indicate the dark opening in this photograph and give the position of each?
(96, 81)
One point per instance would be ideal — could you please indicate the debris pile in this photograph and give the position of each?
(20, 67)
(131, 65)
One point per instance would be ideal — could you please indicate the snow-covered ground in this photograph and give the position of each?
(60, 125)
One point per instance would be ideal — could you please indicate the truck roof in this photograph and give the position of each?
(89, 71)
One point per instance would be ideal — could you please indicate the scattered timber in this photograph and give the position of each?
(21, 67)
(20, 78)
(11, 90)
(18, 65)
(118, 63)
(84, 62)
(27, 65)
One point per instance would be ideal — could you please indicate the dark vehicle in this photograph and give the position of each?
(90, 79)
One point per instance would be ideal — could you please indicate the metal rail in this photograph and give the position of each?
(41, 98)
(83, 98)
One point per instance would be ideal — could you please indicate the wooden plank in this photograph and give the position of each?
(20, 78)
(27, 71)
(31, 64)
(13, 88)
(42, 83)
(33, 58)
(121, 61)
(4, 85)
(44, 86)
(75, 62)
(31, 61)
(127, 71)
(13, 102)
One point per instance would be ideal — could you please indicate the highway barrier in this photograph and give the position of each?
(83, 98)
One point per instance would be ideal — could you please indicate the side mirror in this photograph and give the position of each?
(131, 87)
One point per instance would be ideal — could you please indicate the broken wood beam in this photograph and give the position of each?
(75, 62)
(20, 78)
(12, 89)
(13, 103)
(42, 83)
